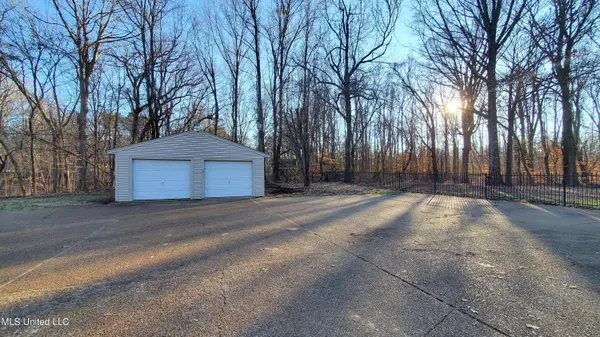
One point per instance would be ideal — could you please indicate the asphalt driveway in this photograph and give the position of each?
(390, 265)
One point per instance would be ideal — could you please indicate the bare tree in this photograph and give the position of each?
(228, 26)
(30, 72)
(206, 59)
(299, 122)
(89, 25)
(453, 45)
(361, 32)
(253, 25)
(558, 33)
(282, 33)
(423, 94)
(168, 72)
(498, 19)
(128, 60)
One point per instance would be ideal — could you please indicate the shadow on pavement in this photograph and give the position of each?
(387, 265)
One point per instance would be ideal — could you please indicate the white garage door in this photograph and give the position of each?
(161, 179)
(227, 179)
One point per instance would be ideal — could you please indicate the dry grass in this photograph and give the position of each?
(317, 189)
(20, 203)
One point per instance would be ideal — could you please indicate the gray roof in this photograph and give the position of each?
(225, 141)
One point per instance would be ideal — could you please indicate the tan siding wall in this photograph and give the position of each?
(194, 146)
(259, 177)
(121, 178)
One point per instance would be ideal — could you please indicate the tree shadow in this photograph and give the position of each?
(383, 265)
(520, 273)
(469, 254)
(250, 233)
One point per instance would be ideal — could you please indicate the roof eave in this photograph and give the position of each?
(119, 149)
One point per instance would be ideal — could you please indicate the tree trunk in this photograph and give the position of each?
(433, 150)
(467, 132)
(277, 107)
(509, 145)
(114, 144)
(530, 152)
(55, 161)
(568, 139)
(259, 106)
(446, 148)
(216, 116)
(510, 133)
(81, 128)
(348, 155)
(134, 127)
(544, 138)
(454, 158)
(234, 108)
(16, 166)
(33, 187)
(492, 120)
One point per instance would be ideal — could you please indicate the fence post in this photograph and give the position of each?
(485, 180)
(564, 189)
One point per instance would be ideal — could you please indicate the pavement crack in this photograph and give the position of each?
(382, 269)
(223, 293)
(440, 250)
(48, 215)
(438, 323)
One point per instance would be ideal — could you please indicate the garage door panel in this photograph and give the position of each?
(227, 179)
(161, 179)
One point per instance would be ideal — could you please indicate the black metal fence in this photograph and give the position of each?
(553, 189)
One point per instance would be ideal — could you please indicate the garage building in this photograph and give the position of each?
(189, 165)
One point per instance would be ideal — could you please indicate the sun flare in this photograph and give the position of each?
(453, 106)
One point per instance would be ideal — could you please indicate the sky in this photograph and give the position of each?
(403, 40)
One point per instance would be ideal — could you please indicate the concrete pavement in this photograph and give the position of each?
(393, 265)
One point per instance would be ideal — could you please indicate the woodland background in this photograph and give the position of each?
(500, 87)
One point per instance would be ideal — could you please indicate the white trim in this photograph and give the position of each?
(116, 179)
